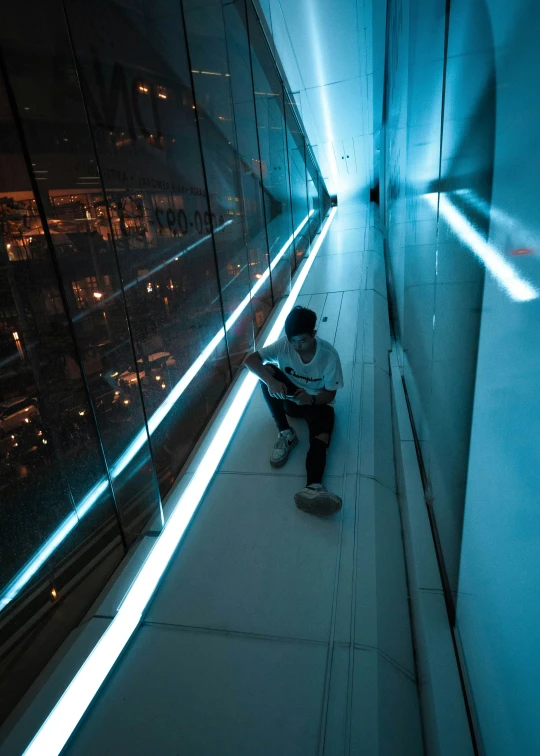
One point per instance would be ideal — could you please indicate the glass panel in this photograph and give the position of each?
(313, 194)
(437, 282)
(324, 198)
(137, 83)
(468, 143)
(43, 73)
(57, 506)
(269, 103)
(297, 170)
(325, 203)
(493, 92)
(119, 245)
(224, 167)
(241, 83)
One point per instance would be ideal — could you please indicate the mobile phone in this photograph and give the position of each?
(290, 397)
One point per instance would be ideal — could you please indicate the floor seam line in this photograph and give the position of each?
(399, 667)
(323, 720)
(203, 630)
(337, 291)
(372, 477)
(275, 474)
(352, 602)
(375, 649)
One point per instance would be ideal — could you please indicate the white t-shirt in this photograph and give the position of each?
(322, 372)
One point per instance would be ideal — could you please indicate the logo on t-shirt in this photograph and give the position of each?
(290, 371)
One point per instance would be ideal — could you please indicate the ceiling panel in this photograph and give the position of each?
(324, 36)
(284, 47)
(339, 108)
(326, 51)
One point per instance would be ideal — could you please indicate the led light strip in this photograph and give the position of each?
(18, 582)
(510, 280)
(68, 711)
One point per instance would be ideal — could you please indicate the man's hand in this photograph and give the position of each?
(301, 397)
(277, 389)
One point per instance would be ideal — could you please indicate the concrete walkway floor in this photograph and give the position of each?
(275, 633)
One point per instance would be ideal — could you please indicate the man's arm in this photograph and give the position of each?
(323, 397)
(255, 365)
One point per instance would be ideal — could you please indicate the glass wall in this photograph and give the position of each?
(498, 599)
(247, 141)
(153, 179)
(297, 173)
(461, 214)
(439, 149)
(318, 199)
(53, 473)
(270, 111)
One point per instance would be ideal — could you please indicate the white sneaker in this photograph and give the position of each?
(315, 499)
(287, 440)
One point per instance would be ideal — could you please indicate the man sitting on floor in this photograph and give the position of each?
(299, 376)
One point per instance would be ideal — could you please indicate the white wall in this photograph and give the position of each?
(499, 596)
(471, 356)
(436, 280)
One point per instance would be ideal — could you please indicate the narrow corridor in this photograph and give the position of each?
(274, 632)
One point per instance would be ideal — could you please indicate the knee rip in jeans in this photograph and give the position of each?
(324, 437)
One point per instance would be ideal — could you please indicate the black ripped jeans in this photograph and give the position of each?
(320, 419)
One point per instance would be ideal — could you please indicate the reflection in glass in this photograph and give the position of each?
(80, 229)
(245, 124)
(297, 172)
(50, 451)
(151, 166)
(224, 167)
(315, 202)
(437, 242)
(147, 231)
(270, 110)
